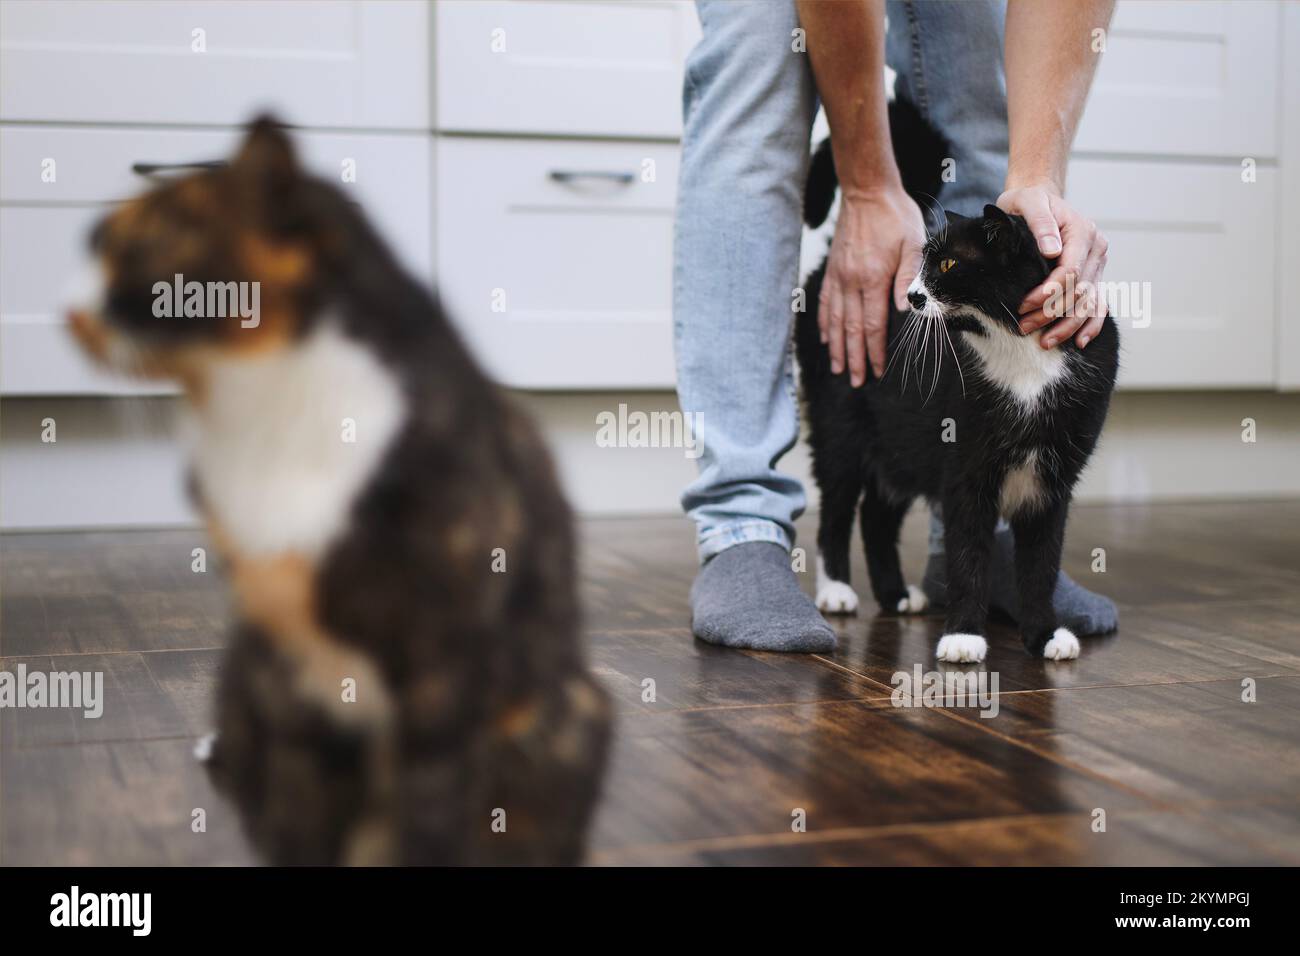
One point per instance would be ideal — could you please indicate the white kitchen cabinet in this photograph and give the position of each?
(1191, 245)
(330, 63)
(608, 68)
(1288, 211)
(1187, 79)
(504, 93)
(43, 224)
(555, 258)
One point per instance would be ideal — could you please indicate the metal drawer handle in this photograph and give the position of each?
(609, 175)
(151, 169)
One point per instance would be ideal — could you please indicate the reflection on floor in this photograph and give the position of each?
(747, 758)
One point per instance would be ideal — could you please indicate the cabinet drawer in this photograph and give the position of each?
(1196, 79)
(40, 248)
(359, 63)
(555, 258)
(1202, 239)
(592, 69)
(43, 223)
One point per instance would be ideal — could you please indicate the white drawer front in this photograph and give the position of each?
(1288, 330)
(43, 224)
(40, 247)
(1195, 79)
(596, 69)
(360, 63)
(560, 284)
(1202, 239)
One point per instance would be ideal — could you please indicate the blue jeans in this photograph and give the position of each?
(749, 104)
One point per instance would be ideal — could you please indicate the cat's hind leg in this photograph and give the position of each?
(841, 485)
(881, 518)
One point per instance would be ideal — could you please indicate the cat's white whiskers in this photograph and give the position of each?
(912, 319)
(942, 217)
(905, 342)
(915, 347)
(938, 359)
(922, 354)
(956, 360)
(1014, 317)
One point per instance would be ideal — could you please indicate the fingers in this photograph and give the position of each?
(1056, 296)
(875, 253)
(1069, 300)
(824, 311)
(855, 341)
(1064, 327)
(1093, 326)
(908, 266)
(1093, 270)
(832, 303)
(1083, 301)
(1036, 207)
(875, 317)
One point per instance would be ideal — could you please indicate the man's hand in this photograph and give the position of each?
(876, 251)
(879, 233)
(1050, 63)
(1070, 297)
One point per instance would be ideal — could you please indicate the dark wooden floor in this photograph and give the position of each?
(1148, 725)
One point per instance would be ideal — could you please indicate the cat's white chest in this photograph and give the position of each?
(1017, 364)
(284, 443)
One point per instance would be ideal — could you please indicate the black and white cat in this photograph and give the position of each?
(971, 413)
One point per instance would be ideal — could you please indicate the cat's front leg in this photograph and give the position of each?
(1040, 534)
(970, 515)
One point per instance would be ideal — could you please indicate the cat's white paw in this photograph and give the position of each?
(1063, 646)
(962, 648)
(914, 603)
(203, 747)
(836, 597)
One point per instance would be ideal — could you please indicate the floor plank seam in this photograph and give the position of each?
(148, 650)
(106, 742)
(841, 834)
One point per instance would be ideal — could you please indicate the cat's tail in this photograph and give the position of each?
(919, 150)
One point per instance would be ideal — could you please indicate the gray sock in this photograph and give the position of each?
(1076, 608)
(747, 596)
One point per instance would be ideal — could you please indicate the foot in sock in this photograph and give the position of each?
(747, 596)
(1076, 608)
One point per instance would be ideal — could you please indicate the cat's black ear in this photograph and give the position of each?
(269, 177)
(996, 213)
(999, 226)
(266, 157)
(954, 217)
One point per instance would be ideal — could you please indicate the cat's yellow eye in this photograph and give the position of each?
(947, 264)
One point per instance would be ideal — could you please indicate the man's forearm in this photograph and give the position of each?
(1050, 61)
(846, 43)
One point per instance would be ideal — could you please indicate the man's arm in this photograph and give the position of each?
(1050, 64)
(880, 231)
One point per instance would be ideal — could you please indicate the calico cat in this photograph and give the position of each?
(406, 682)
(970, 413)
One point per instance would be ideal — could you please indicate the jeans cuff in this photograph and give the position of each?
(742, 532)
